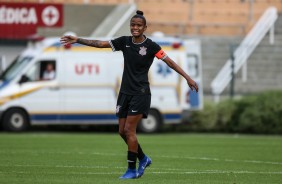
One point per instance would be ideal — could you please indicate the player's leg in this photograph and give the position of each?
(137, 107)
(121, 125)
(121, 113)
(140, 105)
(132, 143)
(140, 152)
(130, 131)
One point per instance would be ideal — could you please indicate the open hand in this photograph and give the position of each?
(66, 40)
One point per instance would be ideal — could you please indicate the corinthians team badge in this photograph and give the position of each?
(143, 51)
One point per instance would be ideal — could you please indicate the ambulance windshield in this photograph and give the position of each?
(17, 65)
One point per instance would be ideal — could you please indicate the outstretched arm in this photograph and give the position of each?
(93, 43)
(192, 84)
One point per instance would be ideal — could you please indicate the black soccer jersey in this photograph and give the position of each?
(138, 57)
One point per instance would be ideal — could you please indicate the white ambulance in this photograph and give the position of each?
(84, 86)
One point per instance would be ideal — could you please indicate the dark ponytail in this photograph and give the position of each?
(140, 14)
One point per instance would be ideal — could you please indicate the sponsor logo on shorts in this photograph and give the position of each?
(117, 109)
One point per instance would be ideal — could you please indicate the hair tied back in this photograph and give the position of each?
(138, 12)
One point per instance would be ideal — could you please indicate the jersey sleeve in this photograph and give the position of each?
(118, 43)
(158, 52)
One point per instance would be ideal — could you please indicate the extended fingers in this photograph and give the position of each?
(65, 40)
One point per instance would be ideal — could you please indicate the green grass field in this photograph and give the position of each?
(177, 158)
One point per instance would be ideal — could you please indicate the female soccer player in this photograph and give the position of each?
(134, 97)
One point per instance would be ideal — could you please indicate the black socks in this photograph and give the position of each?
(141, 154)
(131, 159)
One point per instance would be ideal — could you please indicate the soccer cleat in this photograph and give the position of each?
(130, 174)
(145, 162)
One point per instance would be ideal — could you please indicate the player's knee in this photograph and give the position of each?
(128, 132)
(121, 132)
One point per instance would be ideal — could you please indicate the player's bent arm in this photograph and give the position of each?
(94, 43)
(192, 84)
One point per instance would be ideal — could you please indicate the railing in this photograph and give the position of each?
(244, 50)
(126, 16)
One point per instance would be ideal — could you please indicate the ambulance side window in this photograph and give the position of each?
(48, 70)
(43, 70)
(33, 73)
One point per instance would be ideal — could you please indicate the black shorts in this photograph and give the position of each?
(133, 105)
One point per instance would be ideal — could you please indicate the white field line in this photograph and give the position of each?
(148, 172)
(224, 160)
(217, 172)
(160, 156)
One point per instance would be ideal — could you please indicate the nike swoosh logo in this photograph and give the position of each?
(127, 46)
(134, 111)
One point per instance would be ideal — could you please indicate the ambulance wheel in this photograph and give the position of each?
(15, 120)
(152, 123)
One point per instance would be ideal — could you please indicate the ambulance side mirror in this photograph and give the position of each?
(24, 79)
